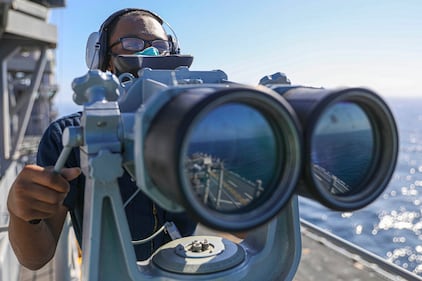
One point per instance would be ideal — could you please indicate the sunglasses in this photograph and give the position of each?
(135, 44)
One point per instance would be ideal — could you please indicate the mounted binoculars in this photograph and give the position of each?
(233, 156)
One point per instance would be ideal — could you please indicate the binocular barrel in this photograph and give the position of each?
(230, 155)
(350, 141)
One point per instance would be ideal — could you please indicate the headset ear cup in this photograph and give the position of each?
(92, 55)
(174, 45)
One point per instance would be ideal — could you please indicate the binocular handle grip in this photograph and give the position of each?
(62, 159)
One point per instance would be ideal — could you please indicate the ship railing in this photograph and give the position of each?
(383, 267)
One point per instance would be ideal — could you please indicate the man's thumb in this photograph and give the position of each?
(70, 173)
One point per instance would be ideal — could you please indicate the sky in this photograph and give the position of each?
(324, 43)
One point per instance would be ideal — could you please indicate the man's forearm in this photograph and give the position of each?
(33, 244)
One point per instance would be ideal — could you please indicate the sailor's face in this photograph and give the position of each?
(140, 26)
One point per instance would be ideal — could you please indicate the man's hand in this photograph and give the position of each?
(38, 192)
(37, 195)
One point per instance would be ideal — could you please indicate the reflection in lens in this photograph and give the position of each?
(231, 157)
(342, 149)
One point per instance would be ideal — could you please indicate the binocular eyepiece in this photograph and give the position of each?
(233, 155)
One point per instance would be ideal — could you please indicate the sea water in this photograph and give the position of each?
(390, 227)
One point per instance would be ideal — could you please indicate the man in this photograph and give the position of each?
(39, 199)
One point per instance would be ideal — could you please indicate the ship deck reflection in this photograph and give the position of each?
(218, 186)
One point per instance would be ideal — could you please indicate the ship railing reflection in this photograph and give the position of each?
(219, 187)
(330, 181)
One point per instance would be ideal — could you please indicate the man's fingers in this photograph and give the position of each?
(39, 192)
(45, 177)
(42, 194)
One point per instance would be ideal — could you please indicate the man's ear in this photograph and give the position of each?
(110, 66)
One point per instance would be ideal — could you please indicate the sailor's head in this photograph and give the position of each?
(135, 31)
(126, 32)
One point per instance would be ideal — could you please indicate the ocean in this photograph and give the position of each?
(390, 227)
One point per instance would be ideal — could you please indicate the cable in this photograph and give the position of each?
(131, 197)
(143, 241)
(168, 226)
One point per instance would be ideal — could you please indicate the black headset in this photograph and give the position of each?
(97, 56)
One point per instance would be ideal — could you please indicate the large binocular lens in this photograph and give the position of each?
(351, 144)
(229, 155)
